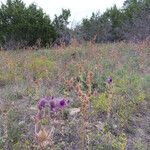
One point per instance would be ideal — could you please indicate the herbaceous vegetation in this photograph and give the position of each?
(81, 88)
(92, 96)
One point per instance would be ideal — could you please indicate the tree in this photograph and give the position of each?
(105, 27)
(60, 25)
(139, 28)
(60, 22)
(130, 22)
(22, 26)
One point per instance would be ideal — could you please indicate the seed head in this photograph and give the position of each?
(42, 135)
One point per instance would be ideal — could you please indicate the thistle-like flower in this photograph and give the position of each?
(42, 103)
(53, 103)
(57, 104)
(109, 80)
(62, 103)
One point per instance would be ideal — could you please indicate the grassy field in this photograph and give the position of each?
(89, 96)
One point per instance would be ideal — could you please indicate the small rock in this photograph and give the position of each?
(33, 108)
(74, 111)
(21, 122)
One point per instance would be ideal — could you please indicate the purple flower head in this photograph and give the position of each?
(52, 105)
(56, 104)
(41, 103)
(62, 103)
(109, 80)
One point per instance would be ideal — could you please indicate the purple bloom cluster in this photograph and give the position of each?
(53, 103)
(41, 103)
(109, 80)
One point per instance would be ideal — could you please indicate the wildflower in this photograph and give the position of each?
(62, 103)
(42, 103)
(57, 104)
(109, 80)
(52, 105)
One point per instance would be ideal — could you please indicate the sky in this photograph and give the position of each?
(79, 8)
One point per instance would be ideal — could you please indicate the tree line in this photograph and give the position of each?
(131, 22)
(22, 26)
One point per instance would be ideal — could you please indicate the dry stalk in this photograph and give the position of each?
(85, 102)
(37, 85)
(44, 137)
(110, 100)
